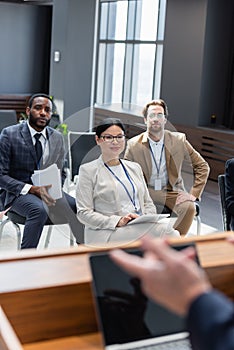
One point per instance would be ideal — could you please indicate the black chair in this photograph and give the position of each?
(225, 215)
(82, 148)
(7, 117)
(54, 121)
(166, 210)
(17, 220)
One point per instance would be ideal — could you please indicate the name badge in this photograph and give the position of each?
(157, 185)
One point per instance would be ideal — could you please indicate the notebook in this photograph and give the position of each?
(127, 318)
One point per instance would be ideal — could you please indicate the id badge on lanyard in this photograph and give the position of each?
(157, 184)
(157, 181)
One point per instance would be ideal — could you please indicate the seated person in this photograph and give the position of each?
(111, 192)
(161, 154)
(229, 189)
(26, 147)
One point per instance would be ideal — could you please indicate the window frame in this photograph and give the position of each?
(104, 74)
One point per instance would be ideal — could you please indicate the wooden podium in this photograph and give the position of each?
(46, 296)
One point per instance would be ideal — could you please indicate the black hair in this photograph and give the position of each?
(30, 101)
(106, 123)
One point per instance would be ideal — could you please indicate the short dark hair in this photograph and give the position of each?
(106, 123)
(158, 102)
(30, 101)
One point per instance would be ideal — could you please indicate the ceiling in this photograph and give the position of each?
(30, 2)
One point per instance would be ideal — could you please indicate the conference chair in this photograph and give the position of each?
(17, 220)
(7, 117)
(82, 148)
(54, 121)
(166, 210)
(226, 217)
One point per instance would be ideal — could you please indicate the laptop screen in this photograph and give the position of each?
(125, 314)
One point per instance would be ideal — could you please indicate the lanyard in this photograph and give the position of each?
(133, 197)
(158, 166)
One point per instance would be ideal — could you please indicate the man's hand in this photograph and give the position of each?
(171, 278)
(184, 197)
(231, 239)
(42, 192)
(125, 219)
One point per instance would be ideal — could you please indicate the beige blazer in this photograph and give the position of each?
(177, 150)
(97, 197)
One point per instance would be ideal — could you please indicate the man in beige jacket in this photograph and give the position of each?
(161, 154)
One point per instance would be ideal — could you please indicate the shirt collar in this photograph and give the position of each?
(34, 132)
(152, 142)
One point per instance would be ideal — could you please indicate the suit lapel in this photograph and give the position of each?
(147, 157)
(51, 145)
(168, 145)
(28, 140)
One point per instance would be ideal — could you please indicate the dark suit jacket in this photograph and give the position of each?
(229, 188)
(18, 159)
(211, 322)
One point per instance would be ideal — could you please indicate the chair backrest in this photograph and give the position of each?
(82, 148)
(7, 117)
(225, 215)
(54, 121)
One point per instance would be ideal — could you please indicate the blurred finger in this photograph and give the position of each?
(190, 253)
(131, 263)
(231, 239)
(160, 248)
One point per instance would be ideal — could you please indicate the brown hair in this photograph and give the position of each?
(158, 102)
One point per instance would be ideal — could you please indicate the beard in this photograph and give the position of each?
(154, 129)
(36, 124)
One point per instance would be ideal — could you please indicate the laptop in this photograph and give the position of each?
(127, 318)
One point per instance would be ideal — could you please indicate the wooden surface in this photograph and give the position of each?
(90, 341)
(47, 297)
(17, 102)
(215, 145)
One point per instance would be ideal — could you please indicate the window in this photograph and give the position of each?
(130, 51)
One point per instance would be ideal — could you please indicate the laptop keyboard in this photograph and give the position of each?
(182, 344)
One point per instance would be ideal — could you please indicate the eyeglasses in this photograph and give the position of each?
(156, 115)
(111, 138)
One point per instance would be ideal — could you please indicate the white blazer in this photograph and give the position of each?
(98, 202)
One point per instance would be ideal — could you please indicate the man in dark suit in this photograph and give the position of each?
(174, 280)
(229, 189)
(20, 154)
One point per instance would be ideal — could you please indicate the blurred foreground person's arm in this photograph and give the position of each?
(174, 280)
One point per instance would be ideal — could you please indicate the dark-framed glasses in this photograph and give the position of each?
(156, 115)
(111, 138)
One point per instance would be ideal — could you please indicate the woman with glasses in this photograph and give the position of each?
(111, 192)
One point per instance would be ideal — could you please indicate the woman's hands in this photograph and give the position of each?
(125, 219)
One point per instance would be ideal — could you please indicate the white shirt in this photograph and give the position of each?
(158, 150)
(126, 204)
(42, 139)
(45, 151)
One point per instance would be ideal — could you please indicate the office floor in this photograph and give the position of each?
(210, 213)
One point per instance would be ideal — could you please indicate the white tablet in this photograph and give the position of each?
(148, 218)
